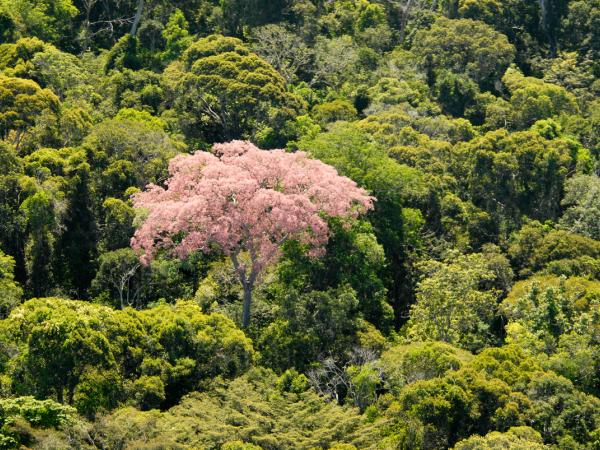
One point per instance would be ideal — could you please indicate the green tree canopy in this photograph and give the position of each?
(225, 91)
(456, 301)
(10, 291)
(95, 357)
(464, 46)
(21, 102)
(48, 20)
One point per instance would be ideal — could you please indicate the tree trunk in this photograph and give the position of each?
(88, 5)
(248, 284)
(547, 23)
(404, 12)
(60, 394)
(137, 18)
(247, 304)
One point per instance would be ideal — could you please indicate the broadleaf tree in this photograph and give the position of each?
(246, 203)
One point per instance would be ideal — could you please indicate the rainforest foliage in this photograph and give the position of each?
(308, 224)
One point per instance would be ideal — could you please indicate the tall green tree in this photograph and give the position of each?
(396, 188)
(457, 300)
(10, 291)
(464, 46)
(223, 91)
(50, 20)
(21, 103)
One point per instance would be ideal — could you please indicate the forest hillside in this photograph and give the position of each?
(300, 224)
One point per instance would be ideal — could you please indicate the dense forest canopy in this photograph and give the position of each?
(309, 224)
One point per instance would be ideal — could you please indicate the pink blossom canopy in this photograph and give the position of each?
(243, 199)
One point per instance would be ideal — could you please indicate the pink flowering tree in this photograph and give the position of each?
(244, 202)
